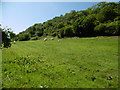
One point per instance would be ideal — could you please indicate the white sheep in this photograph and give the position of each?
(52, 39)
(14, 42)
(45, 39)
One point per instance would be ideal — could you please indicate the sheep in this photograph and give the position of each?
(45, 39)
(14, 42)
(51, 38)
(109, 78)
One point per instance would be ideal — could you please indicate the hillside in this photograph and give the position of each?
(69, 63)
(99, 20)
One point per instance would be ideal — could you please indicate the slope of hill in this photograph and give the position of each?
(69, 63)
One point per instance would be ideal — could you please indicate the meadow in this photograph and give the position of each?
(67, 63)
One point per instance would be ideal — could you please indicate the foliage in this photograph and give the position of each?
(24, 37)
(99, 20)
(100, 29)
(5, 40)
(7, 36)
(113, 28)
(106, 13)
(108, 29)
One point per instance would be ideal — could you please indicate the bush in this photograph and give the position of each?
(34, 38)
(5, 40)
(108, 29)
(100, 29)
(69, 31)
(24, 37)
(113, 28)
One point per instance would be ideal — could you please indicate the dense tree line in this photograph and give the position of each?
(102, 19)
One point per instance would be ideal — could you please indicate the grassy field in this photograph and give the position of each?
(67, 63)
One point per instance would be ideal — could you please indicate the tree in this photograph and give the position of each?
(78, 27)
(97, 20)
(5, 37)
(108, 29)
(106, 13)
(12, 35)
(69, 31)
(113, 28)
(5, 40)
(100, 29)
(88, 25)
(24, 37)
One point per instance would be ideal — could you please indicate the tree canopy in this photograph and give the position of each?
(6, 35)
(102, 19)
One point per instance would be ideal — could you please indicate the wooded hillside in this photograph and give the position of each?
(101, 19)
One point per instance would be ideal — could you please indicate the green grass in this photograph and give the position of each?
(69, 63)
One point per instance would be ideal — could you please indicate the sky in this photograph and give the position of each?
(58, 0)
(20, 15)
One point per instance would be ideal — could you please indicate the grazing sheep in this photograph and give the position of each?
(109, 78)
(14, 42)
(45, 39)
(52, 39)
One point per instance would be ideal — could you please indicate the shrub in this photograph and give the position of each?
(113, 28)
(100, 29)
(24, 37)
